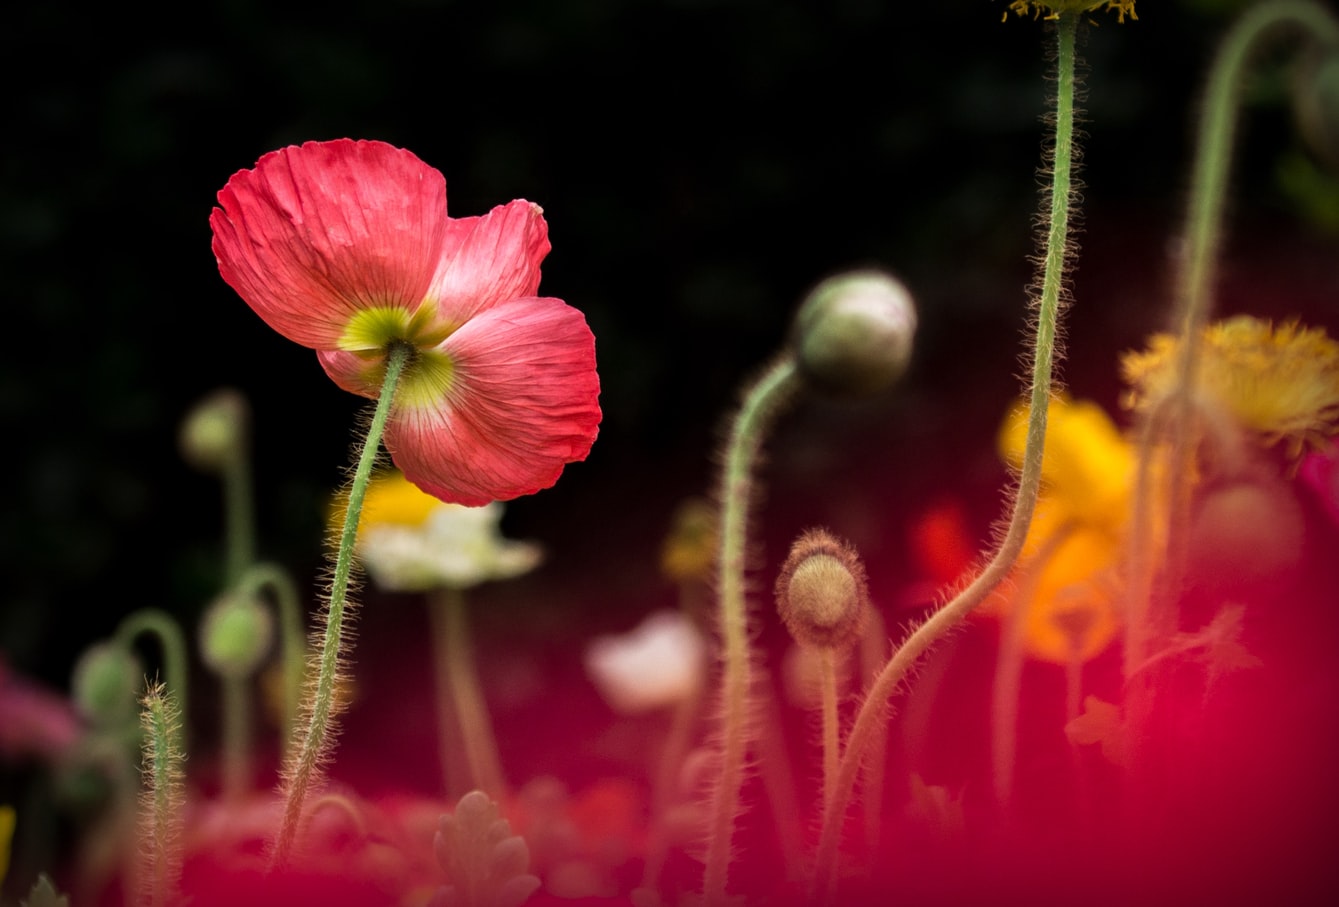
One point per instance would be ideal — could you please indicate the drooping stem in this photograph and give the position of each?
(319, 710)
(458, 694)
(292, 637)
(171, 641)
(870, 719)
(1194, 300)
(745, 442)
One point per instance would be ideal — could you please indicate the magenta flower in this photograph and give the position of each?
(345, 247)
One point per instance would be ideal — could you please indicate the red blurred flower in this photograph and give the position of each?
(345, 247)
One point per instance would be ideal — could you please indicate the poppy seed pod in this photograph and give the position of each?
(853, 333)
(821, 593)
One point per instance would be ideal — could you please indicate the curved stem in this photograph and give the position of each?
(1194, 293)
(458, 693)
(869, 721)
(172, 642)
(292, 637)
(746, 436)
(314, 746)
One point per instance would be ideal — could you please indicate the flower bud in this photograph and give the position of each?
(1316, 105)
(1246, 538)
(235, 635)
(213, 434)
(106, 683)
(821, 593)
(853, 333)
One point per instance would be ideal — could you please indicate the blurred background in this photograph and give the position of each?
(701, 164)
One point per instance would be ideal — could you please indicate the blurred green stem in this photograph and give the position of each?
(172, 643)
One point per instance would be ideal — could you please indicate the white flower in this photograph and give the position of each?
(454, 547)
(658, 663)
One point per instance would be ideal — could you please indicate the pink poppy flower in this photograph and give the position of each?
(345, 247)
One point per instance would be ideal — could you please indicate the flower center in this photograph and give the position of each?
(377, 327)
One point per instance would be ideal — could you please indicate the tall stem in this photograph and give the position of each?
(458, 694)
(745, 442)
(869, 721)
(314, 748)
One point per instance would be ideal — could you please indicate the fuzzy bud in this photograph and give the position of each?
(821, 593)
(235, 636)
(853, 333)
(213, 434)
(106, 683)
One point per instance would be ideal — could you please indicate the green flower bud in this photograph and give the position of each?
(106, 683)
(853, 333)
(236, 635)
(821, 593)
(213, 434)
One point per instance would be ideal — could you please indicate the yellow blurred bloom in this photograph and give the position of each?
(1281, 383)
(689, 551)
(1067, 574)
(1053, 8)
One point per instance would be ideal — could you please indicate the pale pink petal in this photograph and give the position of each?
(489, 260)
(317, 232)
(523, 403)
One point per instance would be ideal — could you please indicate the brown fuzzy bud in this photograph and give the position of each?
(821, 593)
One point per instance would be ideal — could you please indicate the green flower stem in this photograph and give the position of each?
(458, 692)
(1194, 296)
(292, 636)
(236, 769)
(171, 641)
(164, 802)
(239, 515)
(871, 718)
(827, 680)
(314, 747)
(761, 402)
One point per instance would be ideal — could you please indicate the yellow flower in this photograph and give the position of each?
(1053, 8)
(1067, 574)
(1281, 383)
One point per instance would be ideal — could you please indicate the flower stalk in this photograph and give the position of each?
(319, 709)
(871, 718)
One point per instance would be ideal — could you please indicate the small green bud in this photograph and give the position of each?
(213, 434)
(853, 333)
(821, 593)
(1316, 105)
(106, 683)
(235, 635)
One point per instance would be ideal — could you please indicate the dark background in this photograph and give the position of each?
(700, 164)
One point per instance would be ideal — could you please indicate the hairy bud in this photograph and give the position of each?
(821, 593)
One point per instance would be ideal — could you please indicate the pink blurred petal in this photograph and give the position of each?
(490, 259)
(523, 404)
(1319, 471)
(314, 234)
(34, 721)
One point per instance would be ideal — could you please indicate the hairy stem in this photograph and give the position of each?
(745, 442)
(163, 800)
(869, 722)
(314, 748)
